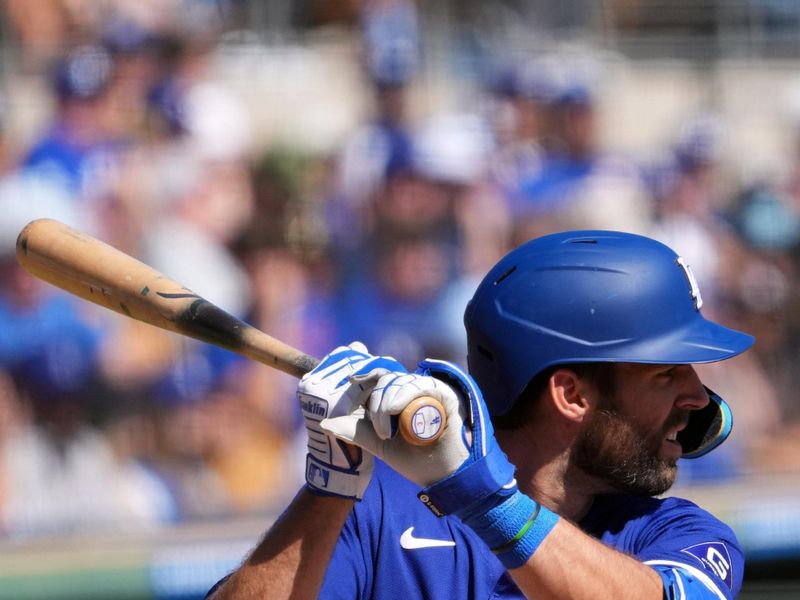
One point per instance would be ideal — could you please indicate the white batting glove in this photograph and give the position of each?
(326, 392)
(375, 430)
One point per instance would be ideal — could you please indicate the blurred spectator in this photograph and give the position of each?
(391, 63)
(79, 152)
(397, 305)
(691, 212)
(456, 154)
(579, 185)
(519, 100)
(133, 49)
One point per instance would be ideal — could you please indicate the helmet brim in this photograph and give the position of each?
(700, 341)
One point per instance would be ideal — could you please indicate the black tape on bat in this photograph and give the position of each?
(211, 323)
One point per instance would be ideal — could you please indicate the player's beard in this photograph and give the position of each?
(613, 450)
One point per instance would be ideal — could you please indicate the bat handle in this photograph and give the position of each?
(422, 422)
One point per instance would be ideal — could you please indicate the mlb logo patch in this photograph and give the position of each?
(317, 476)
(714, 557)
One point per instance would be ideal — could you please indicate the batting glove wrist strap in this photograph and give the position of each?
(472, 486)
(324, 479)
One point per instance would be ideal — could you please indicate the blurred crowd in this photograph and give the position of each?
(109, 424)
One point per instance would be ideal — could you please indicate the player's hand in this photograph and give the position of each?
(376, 432)
(333, 468)
(468, 437)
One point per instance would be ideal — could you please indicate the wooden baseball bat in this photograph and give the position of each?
(93, 270)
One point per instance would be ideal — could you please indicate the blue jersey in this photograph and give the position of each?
(392, 546)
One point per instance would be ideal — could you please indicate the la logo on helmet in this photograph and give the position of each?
(694, 288)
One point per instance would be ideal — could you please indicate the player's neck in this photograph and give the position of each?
(544, 473)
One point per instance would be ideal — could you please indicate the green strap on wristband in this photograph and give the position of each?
(514, 528)
(510, 544)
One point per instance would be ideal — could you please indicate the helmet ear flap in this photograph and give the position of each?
(707, 428)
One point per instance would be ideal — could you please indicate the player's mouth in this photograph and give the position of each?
(671, 439)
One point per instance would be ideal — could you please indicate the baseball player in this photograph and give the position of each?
(580, 348)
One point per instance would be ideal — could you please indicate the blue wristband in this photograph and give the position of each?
(514, 529)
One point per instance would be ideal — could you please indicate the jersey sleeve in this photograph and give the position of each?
(350, 573)
(696, 554)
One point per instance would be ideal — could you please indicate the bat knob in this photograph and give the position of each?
(422, 422)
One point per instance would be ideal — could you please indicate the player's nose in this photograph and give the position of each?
(692, 394)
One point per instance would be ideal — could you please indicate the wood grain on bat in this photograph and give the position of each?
(98, 272)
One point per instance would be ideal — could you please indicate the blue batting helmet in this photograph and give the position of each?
(589, 296)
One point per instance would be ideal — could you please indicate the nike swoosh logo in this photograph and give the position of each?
(409, 542)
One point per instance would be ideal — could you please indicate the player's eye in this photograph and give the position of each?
(668, 372)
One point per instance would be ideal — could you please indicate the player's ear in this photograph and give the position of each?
(568, 394)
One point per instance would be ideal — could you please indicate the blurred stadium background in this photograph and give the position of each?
(337, 170)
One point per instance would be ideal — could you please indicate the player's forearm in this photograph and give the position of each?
(293, 557)
(570, 564)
